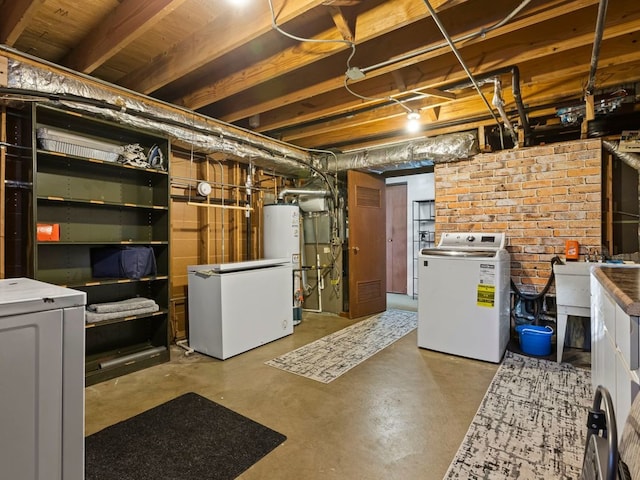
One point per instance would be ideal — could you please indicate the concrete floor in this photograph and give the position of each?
(399, 415)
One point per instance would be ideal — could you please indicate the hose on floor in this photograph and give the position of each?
(528, 307)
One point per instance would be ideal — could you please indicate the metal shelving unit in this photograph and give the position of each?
(98, 203)
(423, 233)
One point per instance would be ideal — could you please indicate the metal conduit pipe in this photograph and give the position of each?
(300, 191)
(463, 38)
(602, 12)
(463, 64)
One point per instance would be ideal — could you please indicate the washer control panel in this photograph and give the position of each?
(473, 240)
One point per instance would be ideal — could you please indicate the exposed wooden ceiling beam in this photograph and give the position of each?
(538, 16)
(370, 25)
(401, 85)
(345, 22)
(382, 112)
(16, 14)
(199, 49)
(537, 47)
(130, 20)
(469, 106)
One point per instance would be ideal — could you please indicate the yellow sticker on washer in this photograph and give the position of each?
(486, 296)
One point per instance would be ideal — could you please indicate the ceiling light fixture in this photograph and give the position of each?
(413, 121)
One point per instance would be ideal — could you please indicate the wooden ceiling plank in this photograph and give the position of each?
(542, 15)
(356, 120)
(199, 49)
(16, 15)
(471, 107)
(432, 114)
(345, 23)
(620, 23)
(370, 24)
(553, 90)
(401, 85)
(434, 92)
(130, 20)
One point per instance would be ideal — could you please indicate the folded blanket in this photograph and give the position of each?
(121, 306)
(93, 317)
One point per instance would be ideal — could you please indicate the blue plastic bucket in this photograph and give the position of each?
(535, 340)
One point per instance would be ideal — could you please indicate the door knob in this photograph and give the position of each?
(355, 249)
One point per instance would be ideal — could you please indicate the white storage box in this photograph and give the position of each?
(62, 141)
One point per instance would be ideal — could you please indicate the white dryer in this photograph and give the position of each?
(463, 296)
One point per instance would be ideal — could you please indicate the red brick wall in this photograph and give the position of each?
(540, 196)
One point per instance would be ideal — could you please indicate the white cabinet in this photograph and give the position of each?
(41, 381)
(235, 307)
(614, 350)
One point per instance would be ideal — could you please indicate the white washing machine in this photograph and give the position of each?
(463, 296)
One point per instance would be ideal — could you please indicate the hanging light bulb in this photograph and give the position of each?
(413, 121)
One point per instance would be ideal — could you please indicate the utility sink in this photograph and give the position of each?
(573, 296)
(573, 284)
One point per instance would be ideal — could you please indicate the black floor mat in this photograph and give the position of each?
(189, 437)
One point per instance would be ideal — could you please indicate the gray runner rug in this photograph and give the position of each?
(531, 423)
(329, 357)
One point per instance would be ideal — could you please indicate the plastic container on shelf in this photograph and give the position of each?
(61, 141)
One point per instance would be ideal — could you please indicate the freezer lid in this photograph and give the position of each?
(238, 266)
(24, 295)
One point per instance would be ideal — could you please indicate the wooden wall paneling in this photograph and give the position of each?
(184, 243)
(204, 219)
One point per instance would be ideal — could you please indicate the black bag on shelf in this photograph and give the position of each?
(132, 262)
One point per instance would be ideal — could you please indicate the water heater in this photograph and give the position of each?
(282, 232)
(282, 240)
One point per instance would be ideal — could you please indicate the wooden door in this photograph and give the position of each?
(396, 213)
(367, 244)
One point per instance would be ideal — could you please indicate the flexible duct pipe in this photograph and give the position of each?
(630, 158)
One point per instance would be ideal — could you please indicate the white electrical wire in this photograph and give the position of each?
(480, 33)
(275, 26)
(346, 85)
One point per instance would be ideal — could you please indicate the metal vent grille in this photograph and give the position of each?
(368, 197)
(368, 291)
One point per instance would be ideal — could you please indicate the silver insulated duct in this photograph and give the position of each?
(29, 77)
(415, 154)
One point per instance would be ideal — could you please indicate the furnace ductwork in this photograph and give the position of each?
(416, 154)
(630, 158)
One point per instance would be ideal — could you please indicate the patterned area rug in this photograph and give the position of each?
(531, 423)
(329, 357)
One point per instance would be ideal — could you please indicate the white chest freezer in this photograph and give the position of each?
(235, 307)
